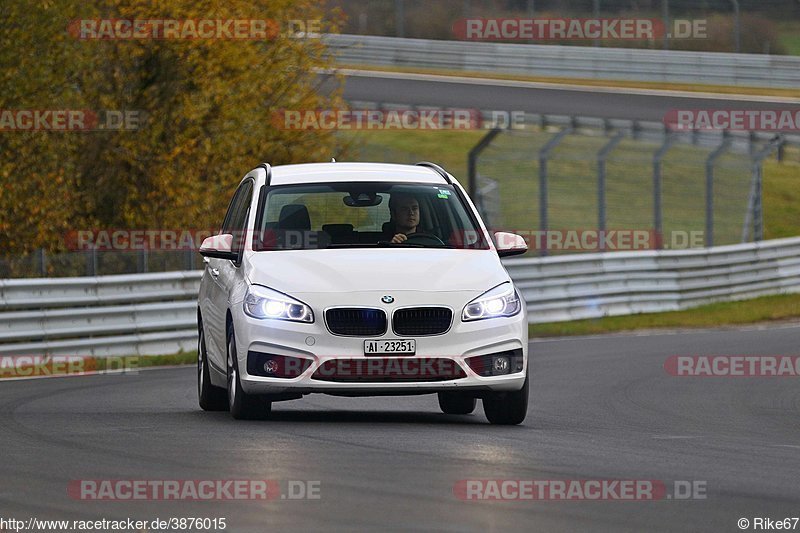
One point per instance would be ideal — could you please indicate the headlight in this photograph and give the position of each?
(500, 301)
(263, 303)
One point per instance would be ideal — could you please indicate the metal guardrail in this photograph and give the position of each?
(569, 61)
(590, 286)
(152, 314)
(142, 314)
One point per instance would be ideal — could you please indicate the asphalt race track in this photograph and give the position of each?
(410, 89)
(601, 408)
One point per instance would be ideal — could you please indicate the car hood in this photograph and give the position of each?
(358, 270)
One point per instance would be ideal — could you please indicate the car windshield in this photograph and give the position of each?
(364, 215)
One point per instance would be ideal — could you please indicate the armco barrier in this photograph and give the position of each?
(756, 70)
(141, 314)
(589, 286)
(151, 314)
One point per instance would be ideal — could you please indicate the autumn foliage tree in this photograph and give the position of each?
(206, 106)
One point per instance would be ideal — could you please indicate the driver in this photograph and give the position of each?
(404, 209)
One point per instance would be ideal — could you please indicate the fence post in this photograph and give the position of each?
(636, 130)
(472, 161)
(399, 18)
(737, 26)
(596, 15)
(43, 262)
(544, 154)
(665, 16)
(712, 159)
(758, 211)
(143, 259)
(91, 262)
(602, 157)
(755, 206)
(658, 217)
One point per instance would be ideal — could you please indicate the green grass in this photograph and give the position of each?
(183, 358)
(447, 148)
(758, 310)
(790, 36)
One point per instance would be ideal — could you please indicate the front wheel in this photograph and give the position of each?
(243, 406)
(455, 403)
(507, 408)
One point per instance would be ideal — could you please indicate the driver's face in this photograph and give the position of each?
(406, 213)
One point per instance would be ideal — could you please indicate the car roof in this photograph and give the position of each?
(353, 172)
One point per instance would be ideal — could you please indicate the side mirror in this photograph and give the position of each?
(219, 247)
(509, 244)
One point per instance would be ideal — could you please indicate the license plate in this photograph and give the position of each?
(390, 346)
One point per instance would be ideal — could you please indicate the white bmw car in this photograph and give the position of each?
(359, 279)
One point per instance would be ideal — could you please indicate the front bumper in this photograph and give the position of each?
(316, 344)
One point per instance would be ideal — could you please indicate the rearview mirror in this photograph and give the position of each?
(219, 247)
(509, 244)
(362, 199)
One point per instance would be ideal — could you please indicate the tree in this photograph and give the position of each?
(206, 106)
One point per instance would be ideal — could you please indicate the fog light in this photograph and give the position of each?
(501, 364)
(271, 366)
(497, 364)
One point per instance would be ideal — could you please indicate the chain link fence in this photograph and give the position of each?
(559, 174)
(573, 177)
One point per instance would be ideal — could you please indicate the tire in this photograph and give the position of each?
(455, 403)
(243, 406)
(211, 398)
(507, 408)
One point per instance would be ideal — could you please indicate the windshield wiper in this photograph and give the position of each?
(352, 245)
(389, 244)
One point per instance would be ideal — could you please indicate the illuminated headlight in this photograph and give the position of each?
(500, 301)
(261, 302)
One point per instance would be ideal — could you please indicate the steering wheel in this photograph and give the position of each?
(421, 236)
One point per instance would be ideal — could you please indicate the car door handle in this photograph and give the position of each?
(214, 272)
